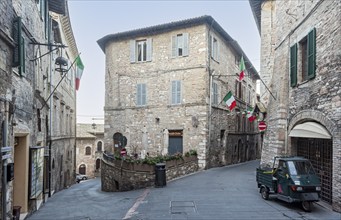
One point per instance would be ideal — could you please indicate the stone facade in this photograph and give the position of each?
(119, 175)
(89, 149)
(314, 98)
(203, 73)
(32, 122)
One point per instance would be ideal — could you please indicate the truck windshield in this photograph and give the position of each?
(300, 168)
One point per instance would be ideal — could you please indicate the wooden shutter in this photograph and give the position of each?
(210, 45)
(218, 51)
(22, 57)
(17, 40)
(139, 94)
(149, 49)
(173, 92)
(174, 46)
(293, 65)
(311, 53)
(132, 51)
(178, 89)
(144, 94)
(185, 44)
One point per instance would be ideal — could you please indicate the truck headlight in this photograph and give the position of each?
(318, 188)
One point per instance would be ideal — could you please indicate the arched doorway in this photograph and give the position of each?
(313, 141)
(98, 164)
(82, 169)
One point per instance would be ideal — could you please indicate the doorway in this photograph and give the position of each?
(21, 164)
(175, 142)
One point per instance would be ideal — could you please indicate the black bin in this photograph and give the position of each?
(16, 212)
(160, 174)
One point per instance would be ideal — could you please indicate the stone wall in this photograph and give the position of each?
(316, 99)
(119, 175)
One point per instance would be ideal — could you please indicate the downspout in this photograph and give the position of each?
(50, 125)
(210, 90)
(4, 170)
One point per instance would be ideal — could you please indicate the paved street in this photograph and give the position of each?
(221, 193)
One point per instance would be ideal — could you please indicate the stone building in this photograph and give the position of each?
(37, 114)
(164, 90)
(301, 64)
(89, 149)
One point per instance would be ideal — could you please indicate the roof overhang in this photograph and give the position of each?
(58, 6)
(310, 130)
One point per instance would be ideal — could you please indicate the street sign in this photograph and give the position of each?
(262, 126)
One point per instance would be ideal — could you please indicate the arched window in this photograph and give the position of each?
(98, 164)
(82, 169)
(99, 146)
(88, 150)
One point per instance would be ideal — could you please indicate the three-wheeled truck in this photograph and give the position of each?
(291, 179)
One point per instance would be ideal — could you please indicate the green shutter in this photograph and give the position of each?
(293, 65)
(22, 57)
(17, 39)
(311, 53)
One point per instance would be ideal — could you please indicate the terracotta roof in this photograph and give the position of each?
(162, 28)
(86, 130)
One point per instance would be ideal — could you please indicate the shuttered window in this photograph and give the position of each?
(215, 93)
(311, 53)
(176, 92)
(141, 95)
(293, 65)
(180, 45)
(19, 49)
(141, 50)
(214, 48)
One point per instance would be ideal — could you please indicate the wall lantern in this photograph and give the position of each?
(62, 65)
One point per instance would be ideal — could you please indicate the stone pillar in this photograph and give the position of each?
(165, 142)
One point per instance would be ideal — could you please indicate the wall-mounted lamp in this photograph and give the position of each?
(94, 126)
(62, 65)
(157, 119)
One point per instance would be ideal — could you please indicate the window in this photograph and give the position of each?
(239, 89)
(214, 48)
(180, 45)
(306, 57)
(215, 93)
(141, 94)
(99, 146)
(176, 92)
(88, 151)
(19, 49)
(140, 50)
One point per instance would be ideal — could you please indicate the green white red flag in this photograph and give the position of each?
(250, 115)
(242, 69)
(230, 101)
(79, 71)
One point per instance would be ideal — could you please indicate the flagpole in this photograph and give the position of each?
(66, 72)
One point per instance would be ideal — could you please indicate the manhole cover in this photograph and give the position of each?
(177, 207)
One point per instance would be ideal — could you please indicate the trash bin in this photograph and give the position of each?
(160, 174)
(16, 212)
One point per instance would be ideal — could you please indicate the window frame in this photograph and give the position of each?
(180, 44)
(87, 152)
(141, 94)
(176, 92)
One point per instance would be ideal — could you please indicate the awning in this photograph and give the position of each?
(310, 130)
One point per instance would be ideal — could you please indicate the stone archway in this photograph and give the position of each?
(312, 143)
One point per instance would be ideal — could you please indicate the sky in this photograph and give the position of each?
(94, 19)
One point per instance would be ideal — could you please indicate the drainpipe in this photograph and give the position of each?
(4, 170)
(50, 125)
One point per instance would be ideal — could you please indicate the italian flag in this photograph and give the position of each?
(79, 71)
(242, 69)
(230, 101)
(250, 115)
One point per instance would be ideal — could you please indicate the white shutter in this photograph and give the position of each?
(174, 46)
(185, 44)
(132, 51)
(144, 94)
(218, 50)
(149, 49)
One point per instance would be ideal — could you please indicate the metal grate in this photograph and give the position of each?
(319, 152)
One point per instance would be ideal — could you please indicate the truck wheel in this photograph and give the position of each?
(265, 193)
(307, 206)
